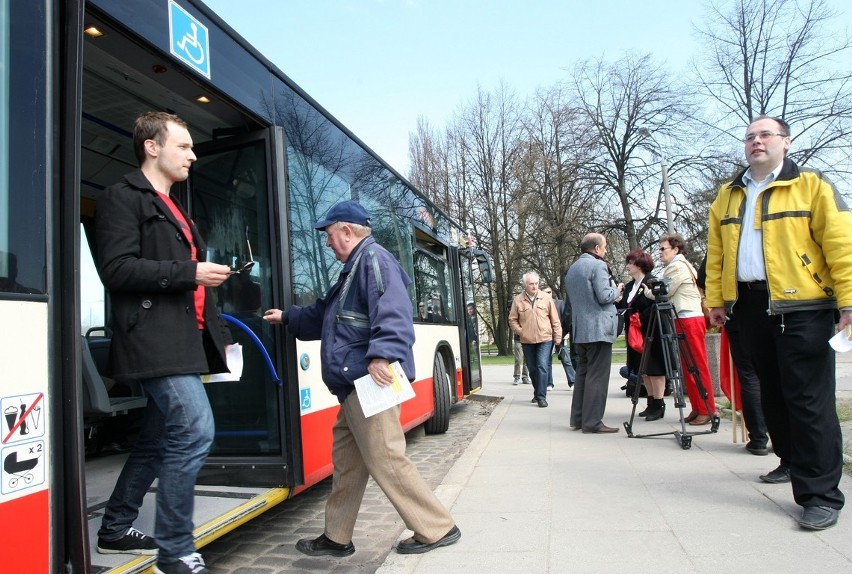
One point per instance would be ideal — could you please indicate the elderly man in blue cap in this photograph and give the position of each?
(365, 323)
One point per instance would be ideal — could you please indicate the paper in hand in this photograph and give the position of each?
(840, 342)
(375, 399)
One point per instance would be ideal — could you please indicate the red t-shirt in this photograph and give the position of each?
(193, 254)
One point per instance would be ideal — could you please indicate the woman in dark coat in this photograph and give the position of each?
(637, 299)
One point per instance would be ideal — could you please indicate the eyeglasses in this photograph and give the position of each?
(665, 248)
(762, 135)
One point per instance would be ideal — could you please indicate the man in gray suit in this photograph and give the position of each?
(592, 292)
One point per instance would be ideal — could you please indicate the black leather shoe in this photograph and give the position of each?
(412, 546)
(819, 517)
(600, 429)
(777, 476)
(757, 448)
(542, 403)
(533, 400)
(322, 546)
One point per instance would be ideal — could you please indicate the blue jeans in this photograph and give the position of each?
(538, 360)
(565, 359)
(177, 431)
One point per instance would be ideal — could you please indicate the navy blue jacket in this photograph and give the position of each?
(144, 260)
(375, 322)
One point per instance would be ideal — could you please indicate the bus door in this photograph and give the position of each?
(471, 337)
(473, 263)
(233, 191)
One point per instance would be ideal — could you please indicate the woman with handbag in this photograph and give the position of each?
(639, 305)
(686, 299)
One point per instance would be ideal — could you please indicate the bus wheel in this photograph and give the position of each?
(440, 421)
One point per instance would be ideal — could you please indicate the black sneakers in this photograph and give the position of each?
(777, 476)
(190, 564)
(133, 542)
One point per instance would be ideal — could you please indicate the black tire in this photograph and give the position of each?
(440, 421)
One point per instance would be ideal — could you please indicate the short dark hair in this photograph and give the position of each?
(590, 241)
(782, 125)
(641, 259)
(152, 126)
(677, 241)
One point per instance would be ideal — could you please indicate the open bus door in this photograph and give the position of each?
(234, 192)
(471, 260)
(233, 195)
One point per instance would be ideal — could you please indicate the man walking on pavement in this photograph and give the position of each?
(534, 319)
(365, 323)
(592, 293)
(779, 259)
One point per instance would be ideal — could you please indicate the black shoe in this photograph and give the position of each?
(533, 400)
(190, 564)
(777, 476)
(601, 429)
(648, 405)
(542, 403)
(133, 542)
(819, 517)
(412, 546)
(757, 448)
(322, 546)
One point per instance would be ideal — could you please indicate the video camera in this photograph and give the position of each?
(659, 286)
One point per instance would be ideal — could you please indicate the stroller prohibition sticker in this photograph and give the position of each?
(23, 466)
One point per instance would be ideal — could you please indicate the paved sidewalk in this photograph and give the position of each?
(531, 495)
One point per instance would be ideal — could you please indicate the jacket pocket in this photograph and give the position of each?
(610, 324)
(817, 271)
(351, 359)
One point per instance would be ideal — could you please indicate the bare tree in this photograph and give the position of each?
(553, 175)
(428, 171)
(620, 100)
(782, 58)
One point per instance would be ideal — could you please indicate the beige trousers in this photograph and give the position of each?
(375, 446)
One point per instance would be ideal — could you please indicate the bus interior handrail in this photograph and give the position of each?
(260, 346)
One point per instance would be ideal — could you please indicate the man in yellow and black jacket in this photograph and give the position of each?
(779, 258)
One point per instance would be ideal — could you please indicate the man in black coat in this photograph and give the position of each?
(166, 333)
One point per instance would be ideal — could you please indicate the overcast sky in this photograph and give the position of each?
(377, 65)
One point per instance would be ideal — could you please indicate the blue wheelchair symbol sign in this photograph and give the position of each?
(189, 40)
(305, 396)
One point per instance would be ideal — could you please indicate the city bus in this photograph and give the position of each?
(74, 74)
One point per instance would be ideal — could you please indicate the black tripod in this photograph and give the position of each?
(674, 344)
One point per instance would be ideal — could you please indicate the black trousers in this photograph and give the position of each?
(749, 385)
(795, 365)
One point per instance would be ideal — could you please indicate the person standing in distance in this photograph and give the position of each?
(166, 332)
(365, 323)
(778, 259)
(533, 318)
(592, 293)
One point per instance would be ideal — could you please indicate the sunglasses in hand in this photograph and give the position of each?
(249, 264)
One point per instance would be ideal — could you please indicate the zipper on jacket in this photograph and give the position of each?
(763, 208)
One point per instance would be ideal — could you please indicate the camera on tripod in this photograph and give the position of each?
(659, 286)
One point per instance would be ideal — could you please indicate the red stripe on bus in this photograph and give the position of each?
(25, 533)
